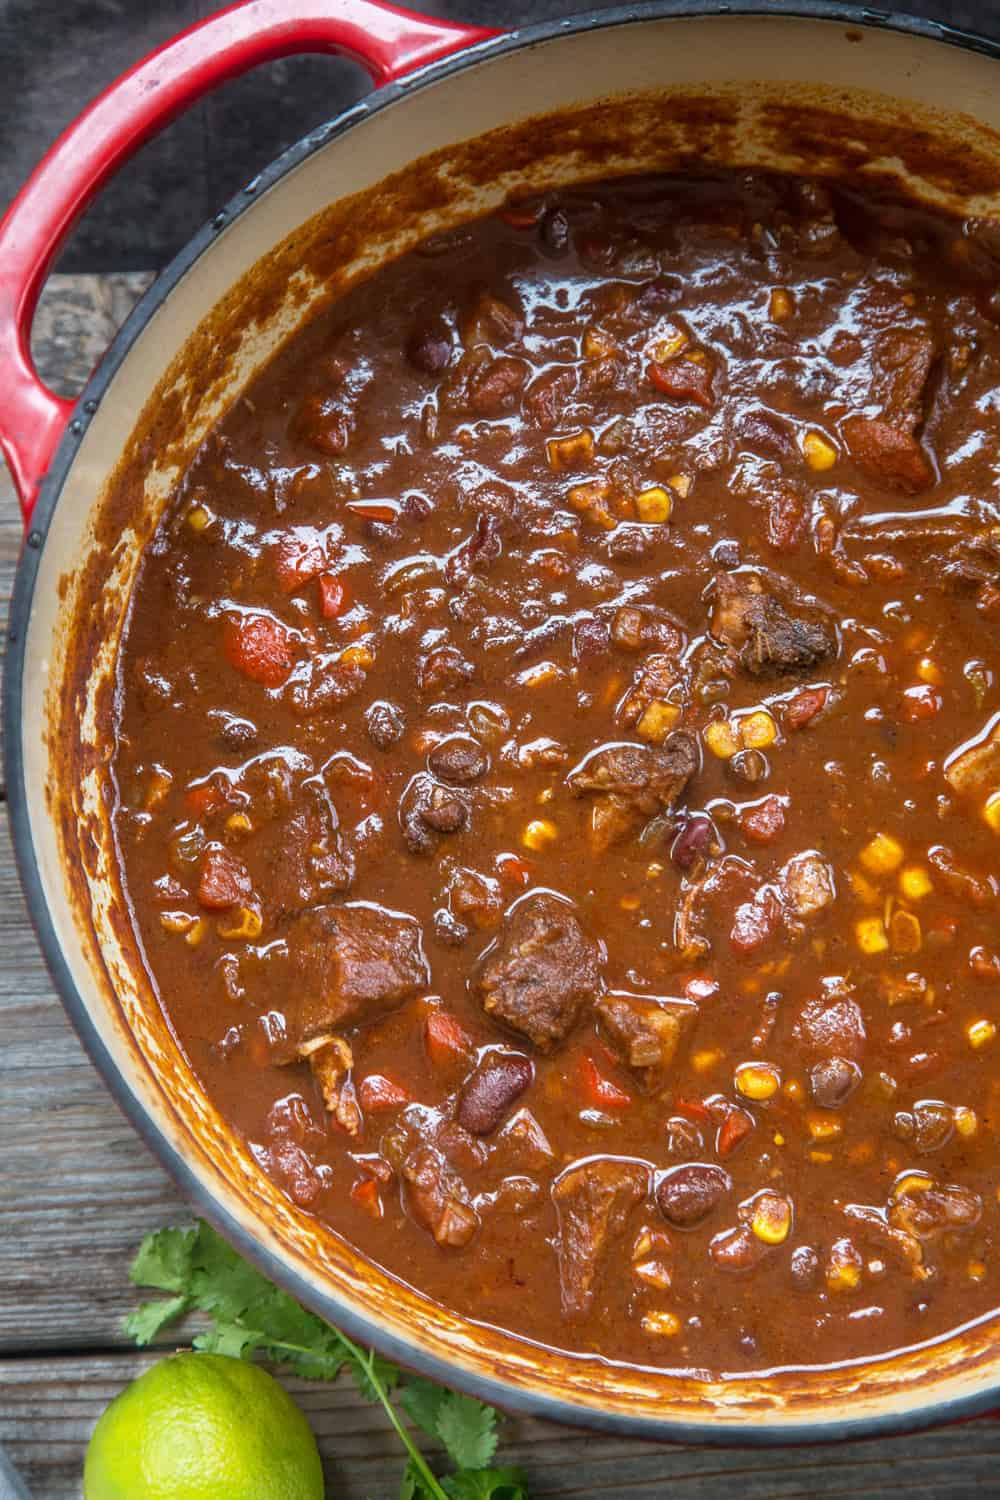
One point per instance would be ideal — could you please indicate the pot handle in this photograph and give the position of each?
(386, 41)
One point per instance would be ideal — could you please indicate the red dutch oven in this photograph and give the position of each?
(459, 117)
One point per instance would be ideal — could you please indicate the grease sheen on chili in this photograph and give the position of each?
(558, 762)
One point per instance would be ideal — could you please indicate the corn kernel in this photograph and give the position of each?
(781, 304)
(870, 935)
(843, 1269)
(904, 932)
(629, 903)
(980, 1033)
(909, 1183)
(199, 518)
(654, 870)
(248, 925)
(757, 1081)
(966, 1121)
(772, 1218)
(928, 671)
(661, 1324)
(863, 888)
(882, 855)
(539, 833)
(657, 720)
(538, 676)
(195, 932)
(976, 1270)
(680, 484)
(653, 505)
(991, 811)
(668, 348)
(238, 823)
(597, 344)
(915, 883)
(821, 1158)
(778, 1138)
(357, 656)
(825, 1127)
(176, 921)
(588, 496)
(794, 1090)
(758, 730)
(721, 740)
(705, 1059)
(818, 451)
(654, 1273)
(572, 451)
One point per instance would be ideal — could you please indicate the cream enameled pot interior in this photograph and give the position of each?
(808, 95)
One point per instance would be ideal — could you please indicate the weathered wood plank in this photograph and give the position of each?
(48, 1408)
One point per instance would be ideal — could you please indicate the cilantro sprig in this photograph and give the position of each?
(250, 1315)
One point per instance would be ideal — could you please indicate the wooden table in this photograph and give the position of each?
(79, 1190)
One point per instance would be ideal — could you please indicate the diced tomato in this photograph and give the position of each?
(384, 511)
(920, 703)
(223, 880)
(334, 598)
(298, 558)
(446, 1039)
(208, 797)
(599, 1091)
(365, 1193)
(514, 871)
(520, 215)
(695, 1109)
(377, 1092)
(803, 708)
(735, 1128)
(260, 647)
(762, 824)
(754, 922)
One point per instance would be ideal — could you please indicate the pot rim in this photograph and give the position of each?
(359, 1325)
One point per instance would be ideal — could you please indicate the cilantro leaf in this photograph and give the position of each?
(421, 1400)
(145, 1323)
(467, 1429)
(164, 1260)
(485, 1484)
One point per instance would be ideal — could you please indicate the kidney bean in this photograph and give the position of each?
(459, 760)
(833, 1081)
(694, 842)
(429, 348)
(688, 1194)
(491, 1088)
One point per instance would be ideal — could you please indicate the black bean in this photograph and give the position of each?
(748, 765)
(385, 724)
(429, 348)
(458, 760)
(804, 1267)
(491, 1088)
(833, 1081)
(687, 1195)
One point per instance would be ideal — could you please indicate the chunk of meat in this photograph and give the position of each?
(634, 783)
(834, 1028)
(437, 1198)
(654, 681)
(458, 760)
(224, 880)
(349, 965)
(543, 971)
(331, 1062)
(428, 809)
(498, 1079)
(593, 1201)
(305, 856)
(926, 1212)
(903, 359)
(970, 565)
(770, 640)
(644, 1031)
(975, 771)
(807, 885)
(685, 380)
(888, 454)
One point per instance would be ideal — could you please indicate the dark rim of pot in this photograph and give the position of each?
(359, 1326)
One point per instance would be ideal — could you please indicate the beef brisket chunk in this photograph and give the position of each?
(593, 1201)
(770, 640)
(633, 783)
(349, 965)
(543, 971)
(644, 1031)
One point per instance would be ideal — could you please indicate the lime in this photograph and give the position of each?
(203, 1427)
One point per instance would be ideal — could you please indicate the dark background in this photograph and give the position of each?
(55, 55)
